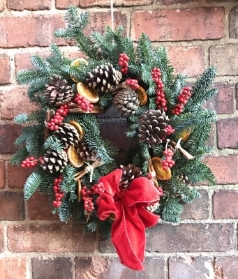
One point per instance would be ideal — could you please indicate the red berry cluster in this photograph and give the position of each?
(58, 118)
(169, 130)
(168, 162)
(123, 62)
(58, 193)
(87, 195)
(84, 104)
(29, 162)
(159, 89)
(133, 83)
(183, 98)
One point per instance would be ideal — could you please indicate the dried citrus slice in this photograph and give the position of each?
(78, 127)
(161, 173)
(74, 158)
(77, 63)
(184, 134)
(89, 93)
(142, 96)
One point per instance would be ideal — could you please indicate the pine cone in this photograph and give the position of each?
(104, 78)
(152, 126)
(126, 100)
(184, 179)
(85, 152)
(58, 91)
(67, 134)
(54, 161)
(129, 173)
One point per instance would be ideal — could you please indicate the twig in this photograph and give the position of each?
(151, 170)
(87, 169)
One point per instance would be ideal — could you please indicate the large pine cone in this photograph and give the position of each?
(104, 78)
(85, 152)
(126, 100)
(152, 126)
(58, 91)
(67, 134)
(54, 161)
(129, 173)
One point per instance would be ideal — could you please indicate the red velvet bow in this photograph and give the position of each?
(131, 217)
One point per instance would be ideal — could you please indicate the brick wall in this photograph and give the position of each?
(33, 243)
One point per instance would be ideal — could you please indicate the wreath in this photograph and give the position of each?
(76, 167)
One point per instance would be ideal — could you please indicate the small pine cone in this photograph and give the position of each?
(67, 134)
(152, 126)
(54, 161)
(126, 100)
(184, 179)
(129, 173)
(58, 91)
(152, 207)
(104, 78)
(85, 152)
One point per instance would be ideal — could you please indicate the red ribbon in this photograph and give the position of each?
(131, 217)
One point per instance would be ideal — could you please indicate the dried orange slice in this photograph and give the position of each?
(184, 134)
(142, 96)
(74, 158)
(78, 127)
(161, 173)
(77, 63)
(89, 93)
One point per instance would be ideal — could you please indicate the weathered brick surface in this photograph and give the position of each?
(53, 268)
(17, 176)
(169, 25)
(226, 267)
(8, 135)
(32, 30)
(172, 2)
(1, 238)
(28, 5)
(12, 206)
(2, 5)
(224, 168)
(190, 267)
(233, 23)
(227, 133)
(13, 268)
(39, 208)
(2, 174)
(225, 204)
(190, 238)
(198, 209)
(180, 59)
(223, 101)
(18, 103)
(105, 268)
(224, 59)
(5, 74)
(57, 238)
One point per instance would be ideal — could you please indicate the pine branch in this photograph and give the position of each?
(31, 185)
(19, 156)
(53, 143)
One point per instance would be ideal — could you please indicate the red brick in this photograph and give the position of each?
(224, 59)
(17, 176)
(5, 71)
(57, 238)
(2, 236)
(227, 133)
(223, 101)
(2, 5)
(29, 30)
(226, 267)
(13, 268)
(233, 22)
(52, 268)
(8, 135)
(2, 174)
(18, 103)
(198, 209)
(191, 238)
(172, 2)
(104, 268)
(12, 206)
(169, 25)
(39, 208)
(225, 204)
(224, 168)
(183, 60)
(28, 5)
(190, 267)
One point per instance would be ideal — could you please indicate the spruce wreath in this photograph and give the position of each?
(76, 167)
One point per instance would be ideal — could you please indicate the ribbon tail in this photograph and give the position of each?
(128, 236)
